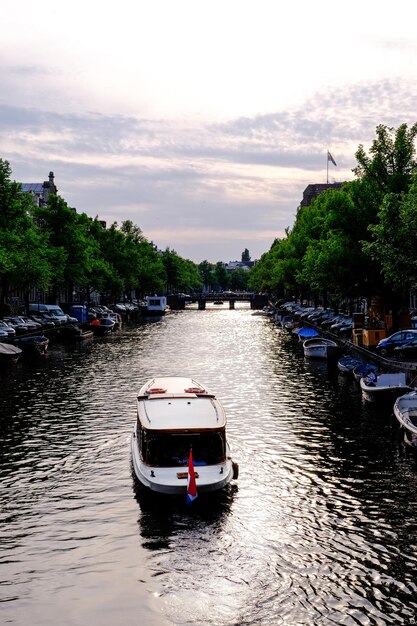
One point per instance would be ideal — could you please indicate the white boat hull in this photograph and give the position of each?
(173, 480)
(386, 387)
(319, 348)
(405, 410)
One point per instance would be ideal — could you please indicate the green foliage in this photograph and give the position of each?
(181, 274)
(222, 277)
(239, 279)
(358, 240)
(391, 161)
(24, 256)
(206, 272)
(394, 242)
(54, 247)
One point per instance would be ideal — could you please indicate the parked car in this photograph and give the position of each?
(43, 321)
(17, 324)
(325, 324)
(51, 318)
(344, 322)
(6, 328)
(407, 351)
(386, 346)
(31, 324)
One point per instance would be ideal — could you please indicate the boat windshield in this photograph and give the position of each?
(173, 449)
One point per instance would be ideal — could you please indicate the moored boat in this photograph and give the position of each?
(320, 348)
(175, 415)
(405, 410)
(101, 326)
(363, 369)
(9, 354)
(155, 305)
(115, 317)
(72, 333)
(33, 345)
(306, 332)
(346, 364)
(384, 387)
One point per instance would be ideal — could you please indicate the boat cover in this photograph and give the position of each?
(8, 350)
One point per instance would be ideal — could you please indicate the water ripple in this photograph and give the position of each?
(319, 529)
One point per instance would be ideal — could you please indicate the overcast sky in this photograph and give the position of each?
(202, 121)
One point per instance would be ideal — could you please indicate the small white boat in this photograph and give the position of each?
(320, 348)
(115, 317)
(384, 387)
(405, 410)
(175, 415)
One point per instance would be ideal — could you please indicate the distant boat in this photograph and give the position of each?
(320, 348)
(155, 305)
(384, 387)
(9, 354)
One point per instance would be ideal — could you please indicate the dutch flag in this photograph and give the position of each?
(191, 486)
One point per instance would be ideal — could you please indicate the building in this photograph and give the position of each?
(41, 191)
(234, 265)
(312, 191)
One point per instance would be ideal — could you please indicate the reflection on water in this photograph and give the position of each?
(319, 528)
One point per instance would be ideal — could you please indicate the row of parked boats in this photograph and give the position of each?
(30, 335)
(392, 390)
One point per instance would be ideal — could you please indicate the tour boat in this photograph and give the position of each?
(405, 410)
(384, 387)
(320, 348)
(175, 415)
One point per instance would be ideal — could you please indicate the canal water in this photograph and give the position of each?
(320, 527)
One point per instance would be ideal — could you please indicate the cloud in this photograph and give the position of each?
(188, 181)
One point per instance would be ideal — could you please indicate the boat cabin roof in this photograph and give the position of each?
(178, 403)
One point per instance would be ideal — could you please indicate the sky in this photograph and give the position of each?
(200, 121)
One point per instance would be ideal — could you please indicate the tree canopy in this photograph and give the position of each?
(56, 250)
(358, 240)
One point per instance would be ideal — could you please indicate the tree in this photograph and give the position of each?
(239, 279)
(245, 256)
(391, 162)
(70, 241)
(394, 242)
(24, 256)
(206, 271)
(182, 274)
(221, 276)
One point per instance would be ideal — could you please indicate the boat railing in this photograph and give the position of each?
(164, 395)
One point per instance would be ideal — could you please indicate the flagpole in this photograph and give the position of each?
(327, 177)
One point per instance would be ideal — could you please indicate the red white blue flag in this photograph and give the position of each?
(191, 486)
